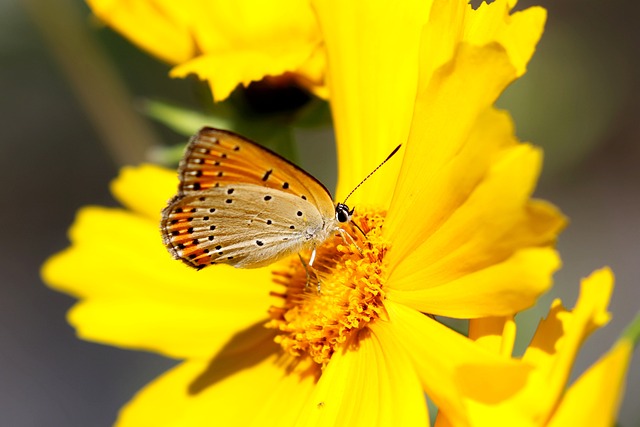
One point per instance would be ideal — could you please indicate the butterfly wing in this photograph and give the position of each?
(241, 204)
(244, 225)
(215, 158)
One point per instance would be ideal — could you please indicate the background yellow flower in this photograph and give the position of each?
(225, 43)
(544, 398)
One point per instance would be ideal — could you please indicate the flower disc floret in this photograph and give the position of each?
(323, 305)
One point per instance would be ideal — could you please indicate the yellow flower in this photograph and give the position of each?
(225, 43)
(542, 398)
(450, 230)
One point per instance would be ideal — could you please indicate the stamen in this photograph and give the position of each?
(351, 274)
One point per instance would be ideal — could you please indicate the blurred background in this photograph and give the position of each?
(70, 101)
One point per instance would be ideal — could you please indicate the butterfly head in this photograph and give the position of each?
(343, 214)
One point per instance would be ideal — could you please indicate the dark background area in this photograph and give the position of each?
(67, 94)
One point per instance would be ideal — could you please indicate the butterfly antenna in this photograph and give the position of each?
(395, 150)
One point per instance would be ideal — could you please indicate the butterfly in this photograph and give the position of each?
(241, 204)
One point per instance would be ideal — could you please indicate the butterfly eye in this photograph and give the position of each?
(343, 214)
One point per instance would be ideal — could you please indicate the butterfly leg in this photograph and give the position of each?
(344, 233)
(359, 229)
(308, 267)
(312, 258)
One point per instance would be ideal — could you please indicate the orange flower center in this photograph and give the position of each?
(339, 295)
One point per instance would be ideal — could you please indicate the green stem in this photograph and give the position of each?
(632, 332)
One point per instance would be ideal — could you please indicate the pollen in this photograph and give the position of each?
(324, 305)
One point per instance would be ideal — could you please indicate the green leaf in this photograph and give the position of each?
(316, 113)
(167, 156)
(182, 120)
(632, 332)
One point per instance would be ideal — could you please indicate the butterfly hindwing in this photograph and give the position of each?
(243, 225)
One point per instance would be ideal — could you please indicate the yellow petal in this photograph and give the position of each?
(145, 189)
(555, 344)
(276, 26)
(593, 400)
(370, 382)
(312, 72)
(450, 127)
(224, 71)
(462, 200)
(441, 36)
(172, 330)
(518, 33)
(137, 296)
(479, 218)
(162, 402)
(495, 221)
(226, 43)
(496, 334)
(455, 22)
(248, 388)
(442, 420)
(549, 360)
(499, 290)
(247, 40)
(158, 26)
(560, 335)
(372, 52)
(454, 371)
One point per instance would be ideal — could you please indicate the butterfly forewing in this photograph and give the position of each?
(231, 225)
(216, 158)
